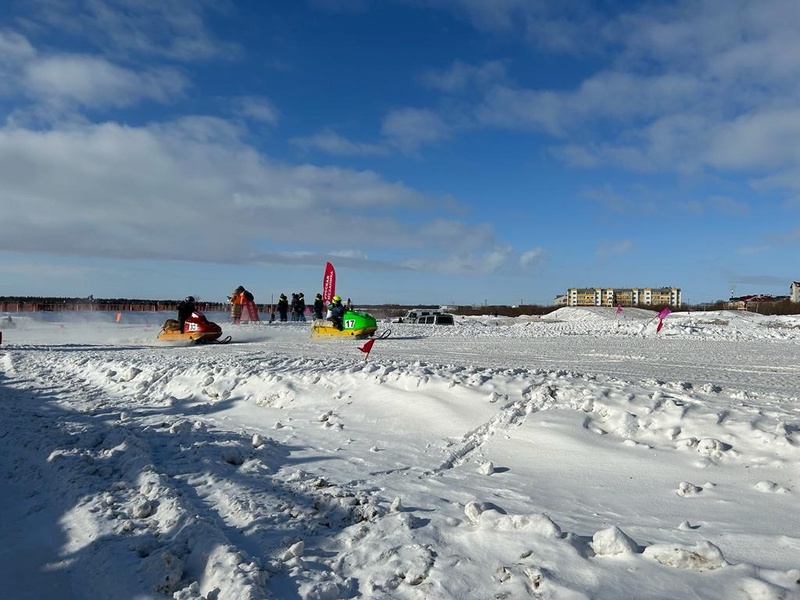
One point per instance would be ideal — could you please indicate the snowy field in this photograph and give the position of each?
(577, 456)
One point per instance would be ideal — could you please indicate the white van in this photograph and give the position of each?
(428, 317)
(437, 318)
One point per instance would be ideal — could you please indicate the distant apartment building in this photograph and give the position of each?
(794, 291)
(624, 297)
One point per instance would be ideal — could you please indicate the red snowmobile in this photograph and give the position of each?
(197, 330)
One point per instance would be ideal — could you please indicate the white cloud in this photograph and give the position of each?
(409, 128)
(615, 248)
(461, 76)
(638, 201)
(554, 26)
(15, 48)
(492, 260)
(690, 87)
(15, 53)
(756, 141)
(717, 205)
(257, 108)
(532, 257)
(337, 145)
(405, 130)
(95, 82)
(173, 29)
(55, 84)
(517, 109)
(623, 98)
(455, 235)
(45, 270)
(193, 190)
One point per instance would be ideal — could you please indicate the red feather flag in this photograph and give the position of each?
(660, 325)
(328, 284)
(367, 347)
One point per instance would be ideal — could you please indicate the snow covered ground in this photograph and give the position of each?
(577, 456)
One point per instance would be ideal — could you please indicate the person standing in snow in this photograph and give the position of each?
(237, 299)
(283, 307)
(293, 306)
(319, 306)
(300, 307)
(240, 300)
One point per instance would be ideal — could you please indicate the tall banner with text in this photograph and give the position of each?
(328, 284)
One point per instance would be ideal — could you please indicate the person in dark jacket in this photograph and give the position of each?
(336, 309)
(185, 310)
(300, 307)
(293, 306)
(319, 306)
(283, 307)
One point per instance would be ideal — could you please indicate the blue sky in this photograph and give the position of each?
(439, 151)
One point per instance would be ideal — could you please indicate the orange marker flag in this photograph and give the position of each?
(366, 348)
(119, 316)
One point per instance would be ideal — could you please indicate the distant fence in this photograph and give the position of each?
(18, 307)
(379, 311)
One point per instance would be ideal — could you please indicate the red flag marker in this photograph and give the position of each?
(367, 347)
(660, 325)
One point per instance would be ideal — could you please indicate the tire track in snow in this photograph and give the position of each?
(510, 416)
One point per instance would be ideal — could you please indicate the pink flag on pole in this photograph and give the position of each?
(661, 316)
(619, 309)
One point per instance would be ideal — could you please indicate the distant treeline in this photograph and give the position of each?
(45, 304)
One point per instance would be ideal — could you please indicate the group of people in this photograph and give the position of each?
(297, 308)
(242, 300)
